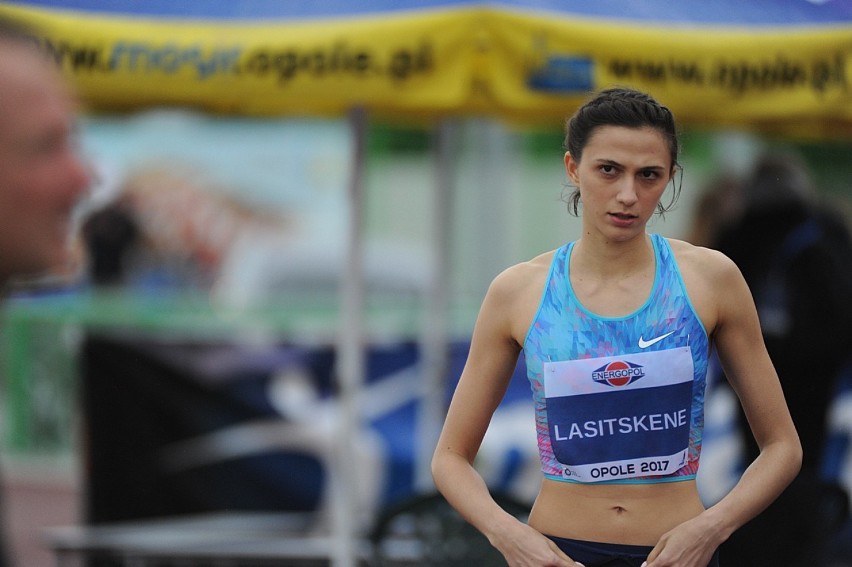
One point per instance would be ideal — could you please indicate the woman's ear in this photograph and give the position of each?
(571, 166)
(675, 169)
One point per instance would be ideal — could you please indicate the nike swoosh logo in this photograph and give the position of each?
(645, 344)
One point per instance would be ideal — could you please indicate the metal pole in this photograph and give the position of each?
(351, 361)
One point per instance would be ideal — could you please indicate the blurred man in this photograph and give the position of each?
(41, 175)
(795, 251)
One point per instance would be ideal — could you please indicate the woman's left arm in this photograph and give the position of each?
(739, 342)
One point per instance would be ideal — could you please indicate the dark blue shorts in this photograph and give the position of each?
(595, 554)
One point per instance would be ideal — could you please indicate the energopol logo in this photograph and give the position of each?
(618, 373)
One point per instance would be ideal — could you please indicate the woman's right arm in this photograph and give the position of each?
(489, 367)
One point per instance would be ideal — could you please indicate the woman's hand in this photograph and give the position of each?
(691, 544)
(522, 546)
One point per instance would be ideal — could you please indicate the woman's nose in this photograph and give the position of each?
(627, 191)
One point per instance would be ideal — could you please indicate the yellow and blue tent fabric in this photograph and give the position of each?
(768, 64)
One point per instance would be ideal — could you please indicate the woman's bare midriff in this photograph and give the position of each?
(631, 514)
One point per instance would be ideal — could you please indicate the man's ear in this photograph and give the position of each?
(571, 166)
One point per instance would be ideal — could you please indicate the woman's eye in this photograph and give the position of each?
(649, 174)
(608, 169)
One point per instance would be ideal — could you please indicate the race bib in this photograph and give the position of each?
(621, 416)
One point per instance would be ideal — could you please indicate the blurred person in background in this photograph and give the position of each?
(110, 234)
(42, 177)
(719, 204)
(796, 255)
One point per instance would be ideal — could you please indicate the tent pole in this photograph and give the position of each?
(434, 342)
(351, 360)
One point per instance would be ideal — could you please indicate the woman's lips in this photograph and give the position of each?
(622, 219)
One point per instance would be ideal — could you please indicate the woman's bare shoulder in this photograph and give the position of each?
(713, 281)
(704, 262)
(524, 274)
(520, 286)
(514, 295)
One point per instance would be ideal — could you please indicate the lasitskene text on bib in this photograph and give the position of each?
(620, 417)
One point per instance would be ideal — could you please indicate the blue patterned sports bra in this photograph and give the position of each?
(618, 399)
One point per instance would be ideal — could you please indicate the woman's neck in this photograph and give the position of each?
(605, 259)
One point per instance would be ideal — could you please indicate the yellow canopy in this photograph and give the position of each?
(453, 58)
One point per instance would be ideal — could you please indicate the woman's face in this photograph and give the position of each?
(621, 177)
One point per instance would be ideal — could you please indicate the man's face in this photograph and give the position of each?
(41, 176)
